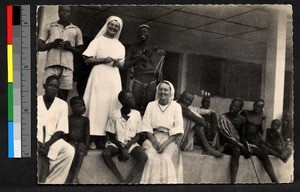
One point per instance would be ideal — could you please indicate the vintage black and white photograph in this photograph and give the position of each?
(165, 94)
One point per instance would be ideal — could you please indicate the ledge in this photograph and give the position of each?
(197, 168)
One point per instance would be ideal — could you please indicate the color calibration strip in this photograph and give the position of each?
(17, 140)
(10, 85)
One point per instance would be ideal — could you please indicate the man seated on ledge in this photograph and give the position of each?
(232, 131)
(52, 124)
(254, 126)
(194, 124)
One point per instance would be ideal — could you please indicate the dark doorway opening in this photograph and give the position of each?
(170, 68)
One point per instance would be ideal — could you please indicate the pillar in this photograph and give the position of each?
(182, 72)
(274, 69)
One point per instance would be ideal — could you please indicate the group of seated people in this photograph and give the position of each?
(149, 124)
(167, 126)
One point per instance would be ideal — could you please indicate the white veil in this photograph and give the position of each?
(171, 87)
(104, 28)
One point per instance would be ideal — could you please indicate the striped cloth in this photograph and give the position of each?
(227, 128)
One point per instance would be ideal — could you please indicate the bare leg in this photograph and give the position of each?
(107, 155)
(144, 92)
(214, 125)
(263, 156)
(207, 148)
(234, 162)
(269, 150)
(141, 158)
(138, 91)
(150, 94)
(286, 153)
(43, 169)
(76, 165)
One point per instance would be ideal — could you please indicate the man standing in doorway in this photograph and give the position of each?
(61, 39)
(146, 62)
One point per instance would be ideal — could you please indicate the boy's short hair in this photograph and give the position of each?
(182, 95)
(74, 100)
(276, 120)
(259, 100)
(238, 100)
(122, 94)
(51, 78)
(205, 98)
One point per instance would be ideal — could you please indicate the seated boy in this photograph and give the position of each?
(275, 141)
(123, 131)
(211, 131)
(78, 137)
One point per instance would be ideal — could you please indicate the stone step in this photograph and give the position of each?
(197, 168)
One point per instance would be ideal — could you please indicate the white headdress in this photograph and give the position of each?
(104, 28)
(171, 87)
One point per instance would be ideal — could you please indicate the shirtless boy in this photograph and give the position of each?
(78, 137)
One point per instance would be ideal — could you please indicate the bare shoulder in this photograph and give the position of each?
(241, 118)
(245, 112)
(85, 118)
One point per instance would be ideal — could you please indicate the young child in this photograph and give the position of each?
(275, 141)
(123, 131)
(78, 137)
(211, 131)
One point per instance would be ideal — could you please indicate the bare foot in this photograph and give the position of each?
(215, 153)
(123, 181)
(93, 145)
(75, 181)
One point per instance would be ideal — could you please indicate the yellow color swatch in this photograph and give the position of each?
(10, 68)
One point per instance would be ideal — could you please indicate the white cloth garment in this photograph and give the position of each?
(54, 119)
(124, 130)
(170, 119)
(167, 166)
(60, 166)
(60, 153)
(187, 140)
(104, 83)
